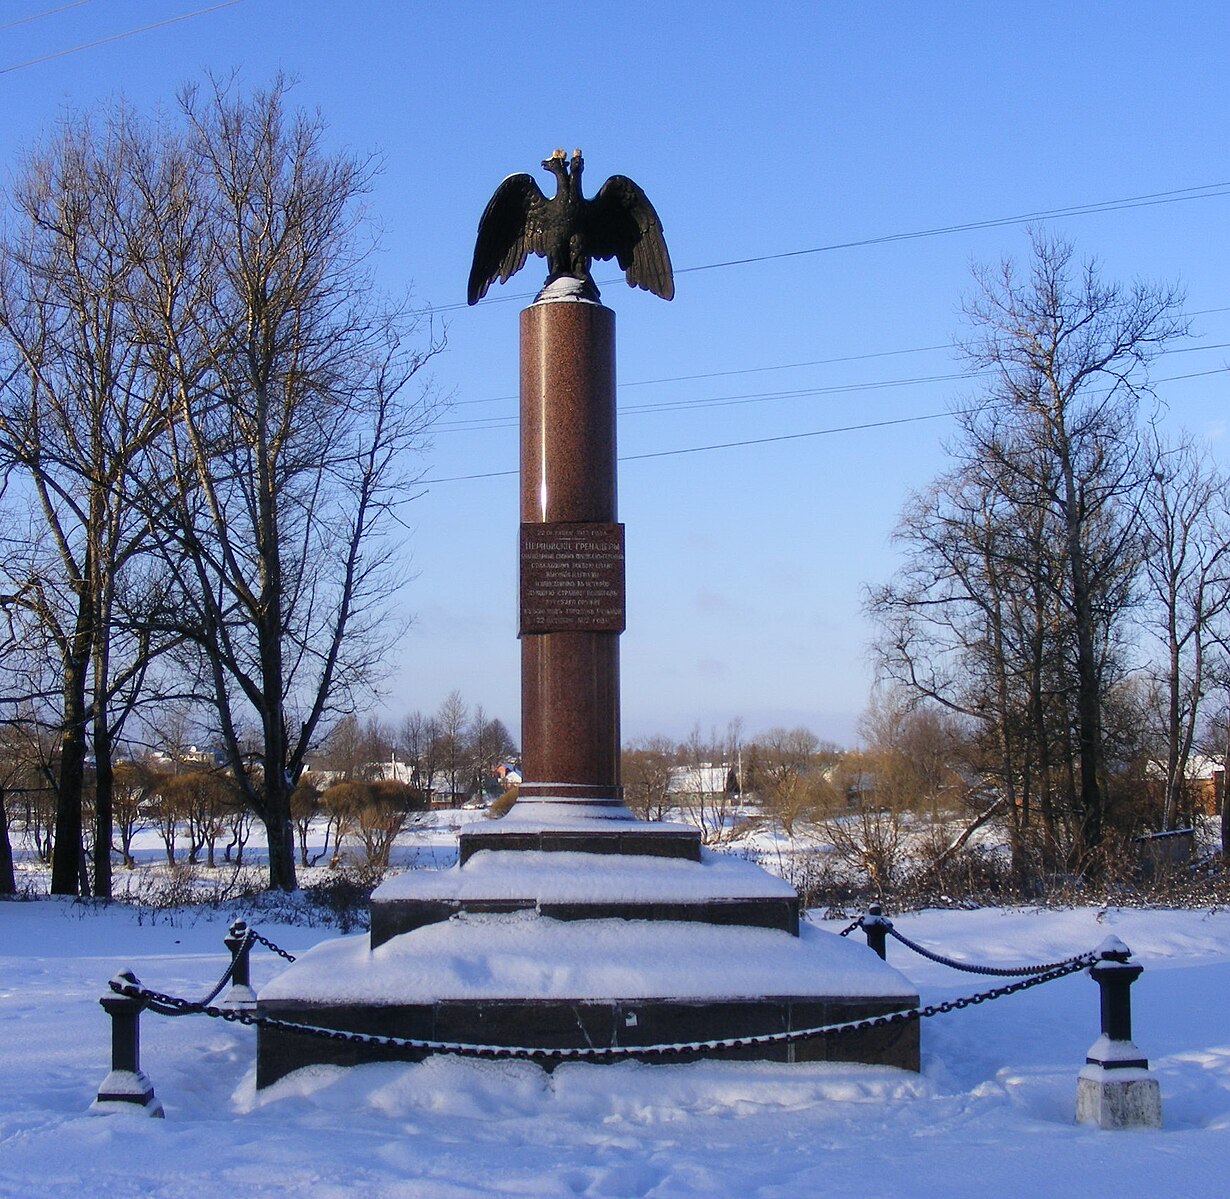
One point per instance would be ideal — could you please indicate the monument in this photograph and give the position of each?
(569, 924)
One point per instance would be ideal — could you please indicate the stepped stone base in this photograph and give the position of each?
(559, 929)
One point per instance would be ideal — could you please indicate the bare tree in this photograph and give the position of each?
(292, 416)
(897, 798)
(8, 879)
(200, 799)
(452, 721)
(787, 766)
(646, 767)
(27, 774)
(1187, 573)
(1012, 606)
(705, 780)
(356, 749)
(374, 813)
(305, 808)
(80, 405)
(419, 742)
(134, 784)
(490, 743)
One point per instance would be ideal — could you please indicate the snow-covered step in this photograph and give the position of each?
(522, 980)
(564, 885)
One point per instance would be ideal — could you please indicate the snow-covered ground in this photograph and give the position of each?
(991, 1113)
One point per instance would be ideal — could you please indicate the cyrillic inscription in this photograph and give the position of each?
(572, 578)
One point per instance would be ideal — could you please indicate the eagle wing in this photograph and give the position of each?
(510, 229)
(623, 225)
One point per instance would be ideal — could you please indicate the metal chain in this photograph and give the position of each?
(857, 922)
(230, 970)
(1059, 971)
(171, 1005)
(994, 971)
(227, 974)
(268, 944)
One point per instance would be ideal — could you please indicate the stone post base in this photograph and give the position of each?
(126, 1091)
(1126, 1098)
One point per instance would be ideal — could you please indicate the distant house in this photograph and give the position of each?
(705, 779)
(193, 754)
(396, 770)
(320, 778)
(1205, 781)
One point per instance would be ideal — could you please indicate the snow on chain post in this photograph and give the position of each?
(126, 1088)
(876, 926)
(1116, 1088)
(241, 996)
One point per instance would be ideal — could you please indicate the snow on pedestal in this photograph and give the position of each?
(525, 956)
(556, 949)
(584, 877)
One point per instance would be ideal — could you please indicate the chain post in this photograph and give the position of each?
(126, 1087)
(1116, 1089)
(1115, 975)
(239, 940)
(876, 926)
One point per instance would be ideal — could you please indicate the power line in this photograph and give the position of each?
(824, 362)
(904, 420)
(746, 370)
(1207, 190)
(1203, 191)
(38, 16)
(501, 422)
(754, 441)
(730, 445)
(115, 37)
(507, 421)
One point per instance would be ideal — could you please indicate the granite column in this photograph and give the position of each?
(571, 554)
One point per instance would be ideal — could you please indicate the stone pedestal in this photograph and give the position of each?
(588, 951)
(569, 924)
(1118, 1098)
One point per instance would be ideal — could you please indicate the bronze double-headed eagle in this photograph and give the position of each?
(569, 231)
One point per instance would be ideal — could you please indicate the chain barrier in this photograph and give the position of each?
(857, 922)
(268, 944)
(1085, 959)
(230, 970)
(163, 1004)
(227, 975)
(251, 937)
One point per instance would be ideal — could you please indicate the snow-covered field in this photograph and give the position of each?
(992, 1111)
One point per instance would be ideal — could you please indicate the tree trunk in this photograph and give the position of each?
(281, 851)
(8, 880)
(104, 793)
(1225, 795)
(1089, 746)
(66, 860)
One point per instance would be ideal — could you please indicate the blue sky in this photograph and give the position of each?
(756, 131)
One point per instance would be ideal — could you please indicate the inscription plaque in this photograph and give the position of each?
(572, 578)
